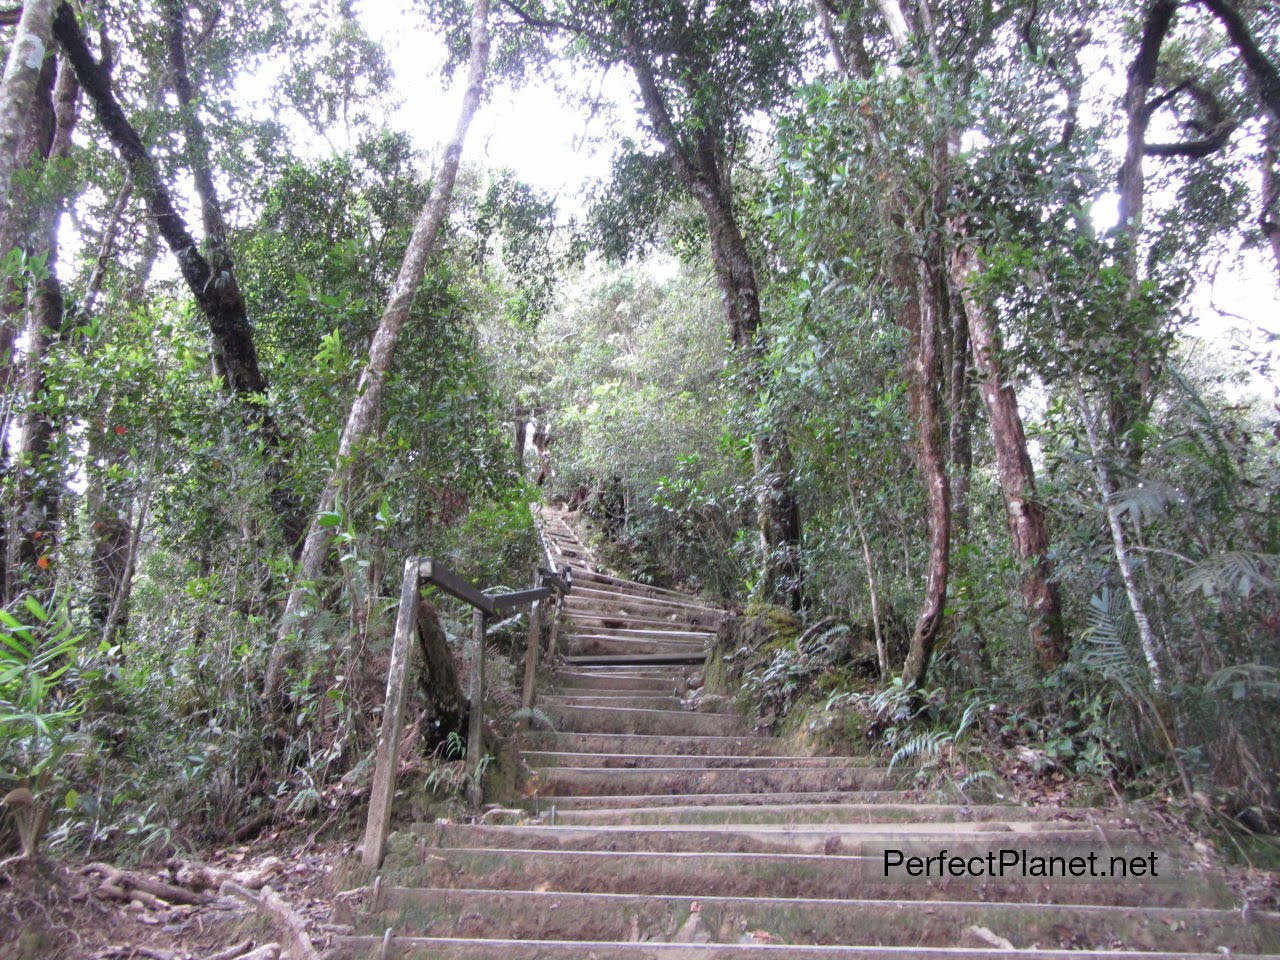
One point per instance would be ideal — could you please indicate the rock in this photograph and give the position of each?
(986, 938)
(692, 930)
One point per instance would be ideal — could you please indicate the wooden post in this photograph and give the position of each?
(387, 759)
(475, 725)
(554, 639)
(531, 657)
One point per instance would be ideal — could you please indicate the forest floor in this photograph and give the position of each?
(65, 910)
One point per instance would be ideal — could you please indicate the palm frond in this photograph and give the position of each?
(1233, 571)
(1147, 500)
(1244, 681)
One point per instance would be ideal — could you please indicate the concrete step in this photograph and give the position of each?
(447, 948)
(741, 800)
(622, 698)
(648, 744)
(608, 620)
(667, 634)
(653, 722)
(693, 658)
(613, 697)
(844, 838)
(600, 781)
(614, 680)
(588, 645)
(609, 582)
(702, 874)
(564, 758)
(549, 915)
(584, 594)
(630, 811)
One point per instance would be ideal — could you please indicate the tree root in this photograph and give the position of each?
(282, 916)
(122, 885)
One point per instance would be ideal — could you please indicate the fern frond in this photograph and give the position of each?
(536, 716)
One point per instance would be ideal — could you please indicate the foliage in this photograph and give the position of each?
(42, 691)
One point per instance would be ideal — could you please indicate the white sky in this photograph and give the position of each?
(533, 131)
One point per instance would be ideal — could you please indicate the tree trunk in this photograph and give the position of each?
(917, 278)
(285, 502)
(446, 705)
(1028, 530)
(1131, 399)
(214, 285)
(699, 171)
(1269, 218)
(19, 233)
(40, 484)
(960, 406)
(882, 647)
(31, 44)
(918, 315)
(364, 409)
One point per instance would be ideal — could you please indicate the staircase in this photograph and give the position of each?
(657, 832)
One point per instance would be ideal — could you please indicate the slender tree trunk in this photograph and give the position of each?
(19, 234)
(107, 507)
(1130, 400)
(919, 316)
(364, 409)
(960, 405)
(1119, 542)
(117, 615)
(882, 648)
(918, 280)
(1028, 528)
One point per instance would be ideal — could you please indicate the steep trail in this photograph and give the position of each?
(660, 832)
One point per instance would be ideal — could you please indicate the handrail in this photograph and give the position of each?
(561, 578)
(418, 572)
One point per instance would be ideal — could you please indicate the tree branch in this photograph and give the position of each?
(1262, 70)
(1216, 126)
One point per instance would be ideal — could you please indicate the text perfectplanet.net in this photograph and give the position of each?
(1017, 864)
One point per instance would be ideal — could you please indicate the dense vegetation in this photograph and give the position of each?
(850, 330)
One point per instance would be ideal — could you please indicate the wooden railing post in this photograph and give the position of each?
(531, 653)
(475, 724)
(387, 759)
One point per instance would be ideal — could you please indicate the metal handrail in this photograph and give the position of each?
(419, 572)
